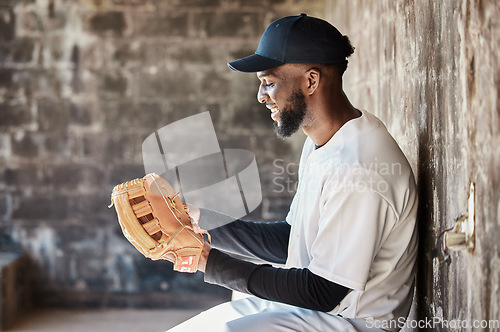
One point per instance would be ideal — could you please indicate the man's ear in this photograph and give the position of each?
(313, 76)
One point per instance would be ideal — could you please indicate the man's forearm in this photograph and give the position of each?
(267, 241)
(299, 287)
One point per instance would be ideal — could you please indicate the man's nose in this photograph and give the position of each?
(261, 95)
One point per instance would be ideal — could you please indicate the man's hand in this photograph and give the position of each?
(194, 213)
(204, 256)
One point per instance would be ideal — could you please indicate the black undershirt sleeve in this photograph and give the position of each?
(267, 241)
(298, 287)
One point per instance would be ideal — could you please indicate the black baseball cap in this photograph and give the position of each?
(294, 39)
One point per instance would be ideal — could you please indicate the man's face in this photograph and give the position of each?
(279, 90)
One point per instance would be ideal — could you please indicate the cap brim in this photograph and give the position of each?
(254, 63)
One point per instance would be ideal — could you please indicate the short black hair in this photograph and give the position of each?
(348, 50)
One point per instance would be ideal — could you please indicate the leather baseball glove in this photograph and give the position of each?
(157, 223)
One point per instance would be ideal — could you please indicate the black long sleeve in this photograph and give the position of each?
(298, 287)
(264, 240)
(267, 241)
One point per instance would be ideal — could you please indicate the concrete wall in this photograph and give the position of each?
(430, 71)
(82, 84)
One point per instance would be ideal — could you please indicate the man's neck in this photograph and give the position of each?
(328, 117)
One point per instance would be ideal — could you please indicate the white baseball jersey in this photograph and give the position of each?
(353, 221)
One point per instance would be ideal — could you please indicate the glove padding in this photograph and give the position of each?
(156, 222)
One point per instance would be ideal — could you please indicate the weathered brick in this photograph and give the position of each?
(24, 176)
(166, 85)
(123, 147)
(4, 52)
(14, 114)
(24, 82)
(56, 144)
(30, 21)
(180, 109)
(96, 203)
(164, 25)
(151, 53)
(5, 205)
(92, 146)
(215, 85)
(113, 22)
(74, 176)
(27, 145)
(95, 56)
(197, 3)
(47, 206)
(65, 176)
(7, 24)
(261, 4)
(56, 46)
(94, 176)
(22, 50)
(110, 148)
(135, 2)
(127, 51)
(229, 25)
(57, 16)
(125, 172)
(186, 53)
(114, 84)
(80, 114)
(53, 115)
(6, 77)
(139, 115)
(5, 146)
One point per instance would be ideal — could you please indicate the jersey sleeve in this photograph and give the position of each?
(354, 221)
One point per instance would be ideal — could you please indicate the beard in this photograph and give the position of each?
(292, 115)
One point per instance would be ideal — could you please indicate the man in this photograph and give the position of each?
(349, 241)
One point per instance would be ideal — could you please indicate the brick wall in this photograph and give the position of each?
(82, 84)
(429, 70)
(75, 76)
